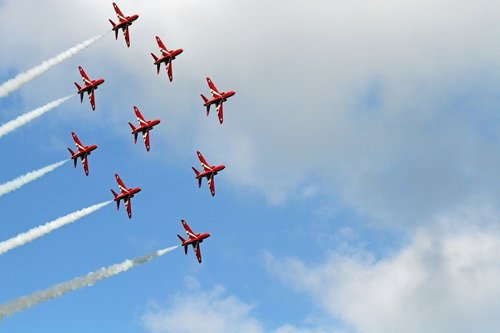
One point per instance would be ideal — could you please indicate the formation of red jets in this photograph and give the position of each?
(145, 126)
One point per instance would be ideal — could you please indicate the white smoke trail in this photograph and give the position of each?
(48, 227)
(29, 116)
(13, 84)
(25, 302)
(28, 178)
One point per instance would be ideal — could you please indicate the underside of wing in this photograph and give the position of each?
(146, 139)
(128, 204)
(85, 78)
(163, 48)
(189, 232)
(213, 88)
(211, 184)
(169, 70)
(203, 161)
(118, 12)
(220, 112)
(140, 117)
(121, 185)
(78, 143)
(127, 36)
(92, 99)
(85, 164)
(197, 251)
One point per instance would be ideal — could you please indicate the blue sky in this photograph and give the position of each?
(361, 185)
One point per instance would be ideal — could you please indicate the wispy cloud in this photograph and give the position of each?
(445, 280)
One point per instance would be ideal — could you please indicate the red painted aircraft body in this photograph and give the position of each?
(82, 152)
(209, 171)
(166, 57)
(89, 87)
(194, 240)
(125, 194)
(144, 127)
(218, 97)
(124, 23)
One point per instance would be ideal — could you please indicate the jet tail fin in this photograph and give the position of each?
(183, 242)
(81, 93)
(114, 28)
(157, 65)
(207, 105)
(182, 239)
(197, 174)
(72, 154)
(117, 201)
(133, 131)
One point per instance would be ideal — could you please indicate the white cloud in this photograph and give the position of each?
(445, 280)
(196, 310)
(388, 107)
(199, 311)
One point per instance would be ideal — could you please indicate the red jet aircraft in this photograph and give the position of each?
(90, 86)
(125, 195)
(194, 240)
(218, 98)
(124, 23)
(166, 57)
(144, 126)
(209, 171)
(83, 152)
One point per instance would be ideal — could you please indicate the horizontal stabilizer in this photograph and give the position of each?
(132, 126)
(182, 239)
(204, 98)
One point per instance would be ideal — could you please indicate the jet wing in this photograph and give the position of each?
(213, 89)
(197, 251)
(140, 117)
(119, 13)
(128, 204)
(189, 232)
(163, 48)
(78, 144)
(92, 99)
(169, 70)
(85, 164)
(204, 163)
(220, 112)
(146, 139)
(85, 77)
(127, 36)
(121, 185)
(211, 184)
